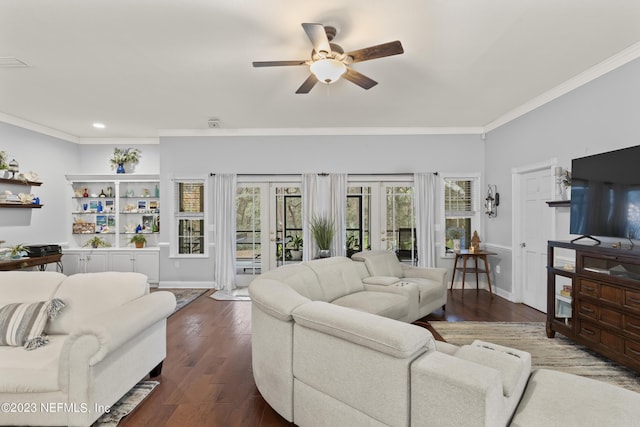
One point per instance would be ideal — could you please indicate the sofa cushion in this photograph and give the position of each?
(381, 280)
(89, 294)
(514, 366)
(28, 286)
(380, 263)
(22, 324)
(337, 276)
(429, 289)
(23, 371)
(384, 304)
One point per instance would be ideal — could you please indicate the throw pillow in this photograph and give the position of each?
(22, 324)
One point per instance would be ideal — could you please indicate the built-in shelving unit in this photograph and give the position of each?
(114, 208)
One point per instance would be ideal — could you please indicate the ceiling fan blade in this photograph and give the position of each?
(378, 51)
(278, 63)
(318, 37)
(360, 79)
(308, 84)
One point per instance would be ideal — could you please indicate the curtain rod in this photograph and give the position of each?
(323, 174)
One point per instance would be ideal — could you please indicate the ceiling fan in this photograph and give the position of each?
(329, 62)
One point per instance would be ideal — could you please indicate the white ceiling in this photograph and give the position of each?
(150, 67)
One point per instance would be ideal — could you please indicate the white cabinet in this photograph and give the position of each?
(145, 261)
(139, 261)
(84, 261)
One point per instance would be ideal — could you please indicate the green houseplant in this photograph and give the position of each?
(139, 240)
(296, 248)
(120, 157)
(96, 242)
(323, 229)
(18, 251)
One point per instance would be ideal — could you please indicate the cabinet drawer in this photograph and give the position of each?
(610, 317)
(632, 349)
(588, 288)
(631, 324)
(589, 332)
(611, 294)
(612, 341)
(589, 310)
(632, 299)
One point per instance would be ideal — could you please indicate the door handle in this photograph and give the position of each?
(523, 245)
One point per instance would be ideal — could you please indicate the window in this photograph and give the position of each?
(358, 219)
(461, 215)
(190, 218)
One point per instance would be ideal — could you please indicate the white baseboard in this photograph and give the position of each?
(184, 284)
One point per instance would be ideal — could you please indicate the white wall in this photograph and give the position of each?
(50, 158)
(600, 116)
(184, 157)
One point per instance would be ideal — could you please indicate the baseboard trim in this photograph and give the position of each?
(184, 284)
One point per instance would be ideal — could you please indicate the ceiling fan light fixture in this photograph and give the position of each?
(328, 70)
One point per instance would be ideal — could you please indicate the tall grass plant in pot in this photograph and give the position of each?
(323, 229)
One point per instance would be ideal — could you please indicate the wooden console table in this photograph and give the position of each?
(465, 255)
(40, 262)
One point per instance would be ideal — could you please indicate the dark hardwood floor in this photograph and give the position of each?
(207, 378)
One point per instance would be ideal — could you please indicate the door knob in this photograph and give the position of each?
(523, 245)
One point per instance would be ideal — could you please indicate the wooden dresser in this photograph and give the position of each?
(602, 307)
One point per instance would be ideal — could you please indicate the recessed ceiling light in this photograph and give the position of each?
(99, 125)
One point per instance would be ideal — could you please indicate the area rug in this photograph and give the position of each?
(126, 404)
(238, 294)
(559, 353)
(184, 296)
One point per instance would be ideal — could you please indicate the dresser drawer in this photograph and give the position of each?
(632, 300)
(632, 349)
(589, 331)
(589, 310)
(588, 288)
(631, 324)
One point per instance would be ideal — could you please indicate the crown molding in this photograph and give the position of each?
(324, 131)
(627, 55)
(116, 141)
(26, 124)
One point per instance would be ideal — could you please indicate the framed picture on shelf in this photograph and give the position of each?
(109, 206)
(147, 222)
(93, 205)
(111, 220)
(142, 205)
(153, 205)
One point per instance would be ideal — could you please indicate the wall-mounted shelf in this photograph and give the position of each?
(20, 205)
(559, 203)
(20, 181)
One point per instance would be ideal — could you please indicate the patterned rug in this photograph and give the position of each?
(126, 404)
(559, 353)
(183, 295)
(238, 294)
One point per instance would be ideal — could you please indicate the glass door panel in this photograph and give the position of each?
(249, 256)
(286, 234)
(400, 222)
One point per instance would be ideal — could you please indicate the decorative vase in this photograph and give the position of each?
(324, 253)
(120, 168)
(456, 244)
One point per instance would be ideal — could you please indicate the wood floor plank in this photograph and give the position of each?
(207, 378)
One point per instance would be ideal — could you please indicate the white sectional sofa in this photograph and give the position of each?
(109, 335)
(328, 349)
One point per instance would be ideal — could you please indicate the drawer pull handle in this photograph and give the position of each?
(632, 326)
(588, 288)
(588, 310)
(588, 331)
(634, 300)
(637, 353)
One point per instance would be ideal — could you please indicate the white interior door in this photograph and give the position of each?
(534, 223)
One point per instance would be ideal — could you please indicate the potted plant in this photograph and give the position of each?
(323, 229)
(121, 156)
(454, 234)
(296, 245)
(139, 240)
(3, 165)
(96, 242)
(353, 245)
(18, 251)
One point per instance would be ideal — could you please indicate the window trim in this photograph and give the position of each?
(476, 219)
(177, 216)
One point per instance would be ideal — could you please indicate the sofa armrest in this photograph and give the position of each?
(109, 330)
(437, 274)
(275, 298)
(449, 391)
(397, 339)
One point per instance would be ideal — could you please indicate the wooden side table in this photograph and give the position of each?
(465, 255)
(40, 262)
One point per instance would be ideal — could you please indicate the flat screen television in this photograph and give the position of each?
(605, 194)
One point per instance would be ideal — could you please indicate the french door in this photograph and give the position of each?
(268, 221)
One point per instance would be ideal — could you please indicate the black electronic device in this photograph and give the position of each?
(43, 250)
(605, 194)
